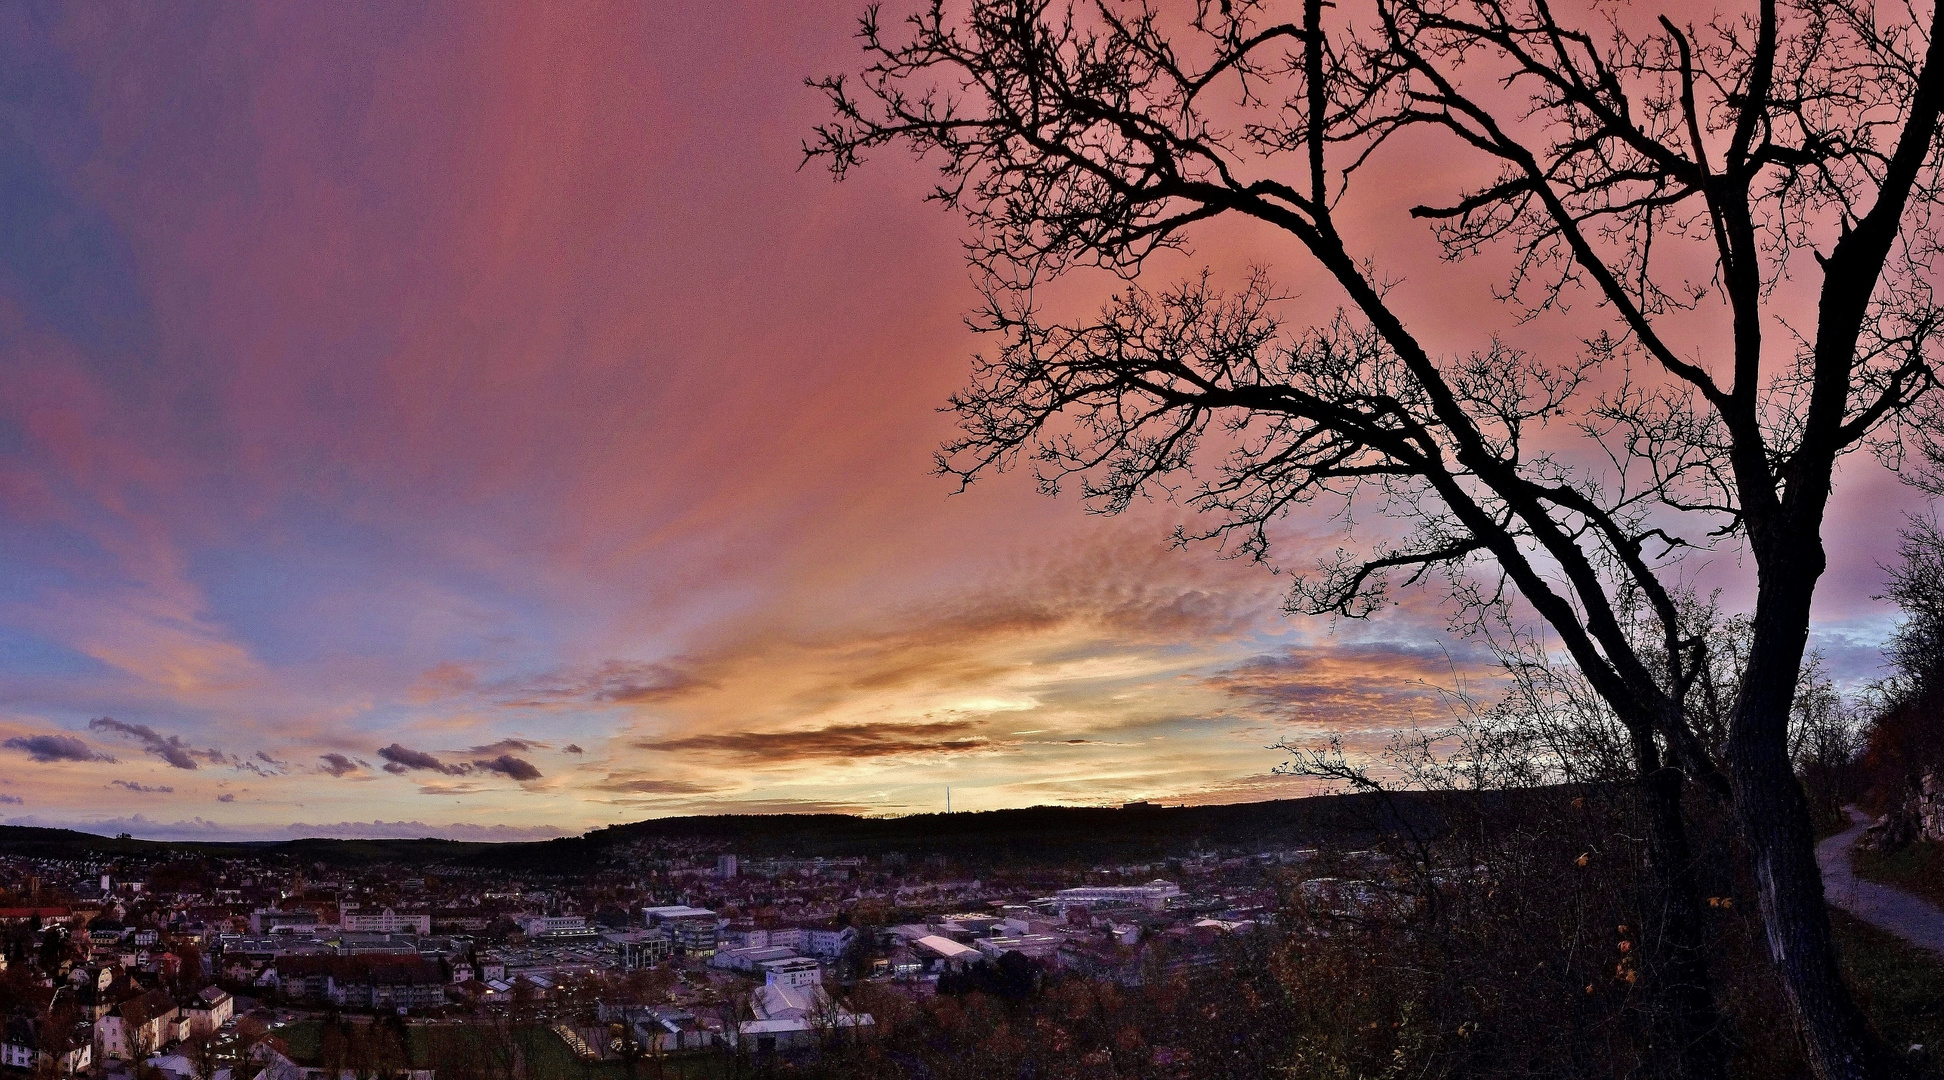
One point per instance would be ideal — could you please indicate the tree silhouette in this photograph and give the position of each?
(1736, 216)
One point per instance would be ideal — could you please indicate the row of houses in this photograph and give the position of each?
(361, 982)
(130, 1029)
(26, 1044)
(791, 1008)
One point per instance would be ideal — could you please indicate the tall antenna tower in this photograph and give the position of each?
(948, 798)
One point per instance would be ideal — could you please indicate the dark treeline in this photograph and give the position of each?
(1905, 740)
(1023, 837)
(1033, 835)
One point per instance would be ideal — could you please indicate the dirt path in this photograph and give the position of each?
(1909, 917)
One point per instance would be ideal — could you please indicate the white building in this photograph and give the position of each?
(209, 1010)
(270, 920)
(775, 1001)
(492, 967)
(944, 951)
(1154, 896)
(726, 866)
(694, 929)
(21, 1047)
(1031, 946)
(637, 949)
(750, 959)
(768, 1036)
(799, 1015)
(137, 1027)
(829, 944)
(386, 922)
(555, 926)
(797, 972)
(676, 913)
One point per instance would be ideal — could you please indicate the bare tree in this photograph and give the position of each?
(1909, 707)
(1825, 740)
(1780, 149)
(1916, 650)
(202, 1052)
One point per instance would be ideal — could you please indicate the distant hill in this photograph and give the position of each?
(1039, 834)
(72, 844)
(1034, 835)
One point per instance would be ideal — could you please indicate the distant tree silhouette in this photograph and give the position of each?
(1012, 976)
(1906, 738)
(1640, 175)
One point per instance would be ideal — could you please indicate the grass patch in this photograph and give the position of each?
(301, 1040)
(1918, 868)
(1900, 987)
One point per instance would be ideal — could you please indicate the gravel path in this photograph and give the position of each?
(1909, 917)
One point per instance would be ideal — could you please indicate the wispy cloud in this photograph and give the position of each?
(840, 741)
(642, 785)
(1351, 686)
(614, 682)
(508, 745)
(440, 788)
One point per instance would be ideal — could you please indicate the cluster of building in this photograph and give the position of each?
(667, 947)
(106, 992)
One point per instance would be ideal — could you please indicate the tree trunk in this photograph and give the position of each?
(1687, 1024)
(1775, 821)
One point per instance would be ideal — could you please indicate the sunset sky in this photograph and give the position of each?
(471, 420)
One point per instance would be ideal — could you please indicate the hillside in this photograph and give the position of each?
(1034, 835)
(45, 843)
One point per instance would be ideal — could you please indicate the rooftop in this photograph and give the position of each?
(946, 947)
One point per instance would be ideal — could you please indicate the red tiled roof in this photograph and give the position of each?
(25, 913)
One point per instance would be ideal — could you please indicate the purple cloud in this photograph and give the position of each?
(55, 748)
(504, 746)
(169, 748)
(509, 766)
(402, 759)
(338, 765)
